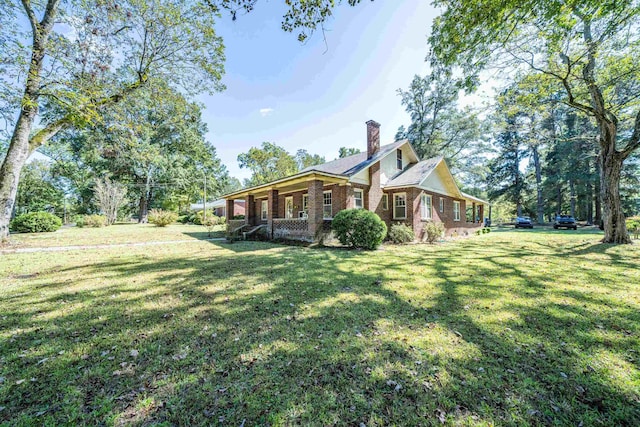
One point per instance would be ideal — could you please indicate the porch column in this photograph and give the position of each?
(315, 207)
(228, 212)
(272, 210)
(351, 203)
(473, 212)
(250, 211)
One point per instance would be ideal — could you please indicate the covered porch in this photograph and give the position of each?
(299, 207)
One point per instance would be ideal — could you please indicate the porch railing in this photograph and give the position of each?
(291, 228)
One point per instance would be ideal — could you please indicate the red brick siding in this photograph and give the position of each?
(414, 218)
(374, 196)
(238, 207)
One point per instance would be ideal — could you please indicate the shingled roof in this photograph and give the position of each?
(414, 174)
(351, 165)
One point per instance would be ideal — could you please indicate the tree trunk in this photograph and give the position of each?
(20, 146)
(540, 199)
(572, 200)
(145, 200)
(615, 229)
(11, 166)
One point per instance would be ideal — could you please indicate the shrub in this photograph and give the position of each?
(486, 230)
(36, 222)
(633, 226)
(401, 233)
(210, 222)
(162, 218)
(433, 231)
(238, 217)
(183, 219)
(94, 221)
(79, 220)
(358, 228)
(197, 217)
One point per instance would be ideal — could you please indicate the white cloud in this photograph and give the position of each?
(264, 112)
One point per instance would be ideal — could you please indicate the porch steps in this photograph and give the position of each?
(253, 231)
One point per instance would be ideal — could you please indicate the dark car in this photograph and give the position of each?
(565, 221)
(524, 222)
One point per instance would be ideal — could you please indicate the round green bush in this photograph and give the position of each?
(633, 226)
(401, 233)
(358, 228)
(162, 218)
(433, 231)
(36, 222)
(93, 221)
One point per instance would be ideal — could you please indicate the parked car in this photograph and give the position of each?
(524, 222)
(565, 221)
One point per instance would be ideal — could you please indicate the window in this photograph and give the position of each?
(288, 207)
(327, 211)
(399, 159)
(385, 202)
(456, 210)
(358, 196)
(400, 206)
(265, 209)
(425, 206)
(441, 204)
(305, 206)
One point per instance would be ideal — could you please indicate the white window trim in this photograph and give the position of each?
(401, 159)
(441, 204)
(426, 208)
(264, 210)
(405, 205)
(456, 203)
(286, 212)
(385, 202)
(323, 205)
(361, 192)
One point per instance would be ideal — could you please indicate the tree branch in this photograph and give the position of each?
(26, 4)
(634, 141)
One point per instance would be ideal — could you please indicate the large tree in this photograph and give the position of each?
(267, 163)
(154, 143)
(85, 56)
(439, 126)
(588, 49)
(39, 190)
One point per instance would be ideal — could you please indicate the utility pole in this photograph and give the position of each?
(204, 199)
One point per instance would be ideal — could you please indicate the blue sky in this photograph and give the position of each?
(311, 95)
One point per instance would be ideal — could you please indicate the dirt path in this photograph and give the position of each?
(115, 245)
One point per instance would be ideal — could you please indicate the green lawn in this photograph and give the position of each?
(118, 234)
(508, 328)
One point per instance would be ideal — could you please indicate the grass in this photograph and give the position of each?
(509, 328)
(118, 234)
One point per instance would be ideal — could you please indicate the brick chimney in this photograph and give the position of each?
(373, 138)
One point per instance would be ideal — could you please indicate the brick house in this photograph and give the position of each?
(390, 180)
(219, 207)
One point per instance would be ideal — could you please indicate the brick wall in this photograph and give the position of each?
(374, 196)
(414, 215)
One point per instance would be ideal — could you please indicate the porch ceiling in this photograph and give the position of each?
(296, 183)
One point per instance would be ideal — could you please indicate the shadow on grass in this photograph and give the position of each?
(260, 334)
